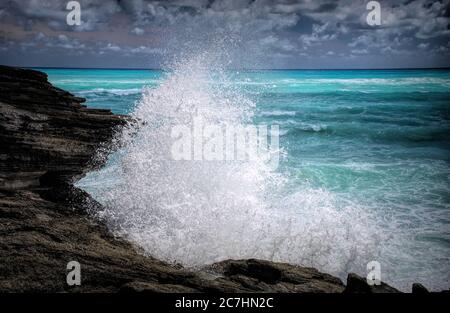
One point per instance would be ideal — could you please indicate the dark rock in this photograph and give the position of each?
(148, 287)
(357, 284)
(419, 289)
(260, 275)
(39, 237)
(47, 136)
(261, 270)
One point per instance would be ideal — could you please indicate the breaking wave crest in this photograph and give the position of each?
(198, 212)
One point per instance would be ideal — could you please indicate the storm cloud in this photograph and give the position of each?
(262, 33)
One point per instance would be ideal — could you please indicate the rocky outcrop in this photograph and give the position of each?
(419, 289)
(48, 139)
(357, 284)
(47, 136)
(260, 276)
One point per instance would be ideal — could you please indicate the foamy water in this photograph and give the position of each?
(364, 176)
(199, 212)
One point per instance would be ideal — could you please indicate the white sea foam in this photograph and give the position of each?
(112, 91)
(200, 212)
(278, 113)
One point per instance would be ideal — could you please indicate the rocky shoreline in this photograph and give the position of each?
(48, 140)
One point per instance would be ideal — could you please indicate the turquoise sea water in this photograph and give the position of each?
(375, 139)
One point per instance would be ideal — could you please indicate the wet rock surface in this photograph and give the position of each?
(358, 284)
(47, 136)
(260, 276)
(48, 139)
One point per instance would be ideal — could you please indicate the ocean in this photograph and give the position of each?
(364, 174)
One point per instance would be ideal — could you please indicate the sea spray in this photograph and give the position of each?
(198, 212)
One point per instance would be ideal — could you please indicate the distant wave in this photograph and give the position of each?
(311, 128)
(381, 81)
(89, 82)
(117, 92)
(349, 81)
(278, 113)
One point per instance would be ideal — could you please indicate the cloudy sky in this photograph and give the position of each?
(257, 33)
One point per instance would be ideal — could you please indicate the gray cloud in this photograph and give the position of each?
(262, 33)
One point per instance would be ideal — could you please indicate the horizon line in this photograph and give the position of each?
(243, 69)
